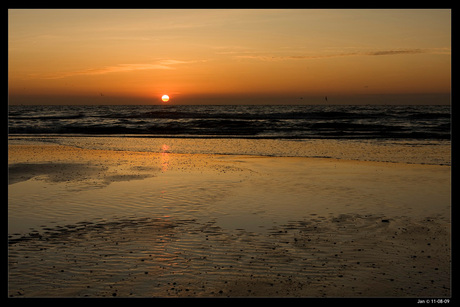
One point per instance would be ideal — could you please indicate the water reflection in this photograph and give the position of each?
(164, 159)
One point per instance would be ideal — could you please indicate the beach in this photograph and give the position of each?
(208, 153)
(89, 219)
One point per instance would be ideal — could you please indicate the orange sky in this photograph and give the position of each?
(229, 56)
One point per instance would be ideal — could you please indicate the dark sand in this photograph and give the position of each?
(333, 244)
(344, 256)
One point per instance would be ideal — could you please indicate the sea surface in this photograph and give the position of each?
(231, 121)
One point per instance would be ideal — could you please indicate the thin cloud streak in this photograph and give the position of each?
(395, 52)
(160, 65)
(325, 56)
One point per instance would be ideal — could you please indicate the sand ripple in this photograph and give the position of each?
(147, 257)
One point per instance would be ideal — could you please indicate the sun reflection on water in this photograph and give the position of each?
(164, 160)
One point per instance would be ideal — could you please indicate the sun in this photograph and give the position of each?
(165, 98)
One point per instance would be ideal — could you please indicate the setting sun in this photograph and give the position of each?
(163, 148)
(271, 57)
(165, 98)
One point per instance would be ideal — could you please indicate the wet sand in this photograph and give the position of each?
(175, 225)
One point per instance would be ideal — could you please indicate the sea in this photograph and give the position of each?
(392, 122)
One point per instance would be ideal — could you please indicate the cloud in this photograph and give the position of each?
(292, 57)
(395, 52)
(173, 62)
(162, 64)
(346, 54)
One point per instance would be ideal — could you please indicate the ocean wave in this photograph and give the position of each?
(394, 122)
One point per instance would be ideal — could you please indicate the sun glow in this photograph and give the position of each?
(165, 98)
(204, 58)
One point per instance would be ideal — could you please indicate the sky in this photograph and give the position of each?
(225, 56)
